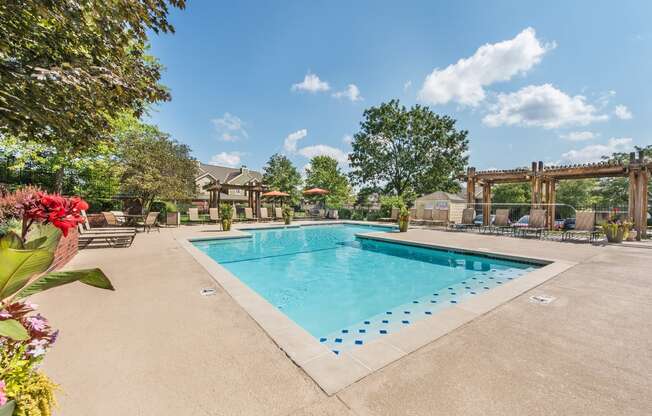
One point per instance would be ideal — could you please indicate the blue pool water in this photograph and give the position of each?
(346, 290)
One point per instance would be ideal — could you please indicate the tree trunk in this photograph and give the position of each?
(58, 180)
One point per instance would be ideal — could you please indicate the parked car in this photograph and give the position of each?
(478, 219)
(569, 224)
(522, 222)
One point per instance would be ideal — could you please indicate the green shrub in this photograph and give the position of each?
(100, 205)
(359, 215)
(226, 211)
(387, 202)
(374, 215)
(344, 213)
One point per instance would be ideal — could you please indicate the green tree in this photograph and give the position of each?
(280, 174)
(67, 68)
(615, 191)
(324, 173)
(580, 194)
(404, 150)
(153, 165)
(514, 193)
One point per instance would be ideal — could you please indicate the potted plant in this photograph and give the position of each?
(616, 230)
(26, 255)
(403, 219)
(226, 213)
(288, 213)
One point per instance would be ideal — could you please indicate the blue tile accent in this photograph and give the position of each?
(467, 287)
(453, 301)
(473, 293)
(435, 294)
(367, 322)
(415, 301)
(486, 287)
(388, 313)
(385, 321)
(433, 301)
(358, 342)
(338, 340)
(345, 331)
(405, 322)
(428, 313)
(362, 331)
(336, 352)
(406, 312)
(322, 339)
(383, 331)
(453, 293)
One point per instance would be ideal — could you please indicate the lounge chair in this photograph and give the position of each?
(440, 217)
(263, 214)
(393, 217)
(150, 221)
(333, 214)
(468, 215)
(213, 214)
(111, 219)
(249, 214)
(278, 213)
(114, 237)
(584, 227)
(193, 215)
(500, 224)
(119, 216)
(536, 224)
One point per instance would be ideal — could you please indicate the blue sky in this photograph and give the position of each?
(562, 82)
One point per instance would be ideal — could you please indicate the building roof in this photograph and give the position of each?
(227, 175)
(439, 195)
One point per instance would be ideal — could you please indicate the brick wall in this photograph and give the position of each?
(66, 250)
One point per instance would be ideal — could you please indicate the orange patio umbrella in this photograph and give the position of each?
(274, 194)
(315, 191)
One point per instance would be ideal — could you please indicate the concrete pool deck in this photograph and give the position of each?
(156, 346)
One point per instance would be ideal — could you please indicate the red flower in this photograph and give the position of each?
(63, 213)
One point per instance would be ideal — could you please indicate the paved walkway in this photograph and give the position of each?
(156, 347)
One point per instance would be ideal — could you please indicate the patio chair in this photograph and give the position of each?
(536, 224)
(193, 215)
(249, 214)
(114, 237)
(426, 216)
(440, 217)
(111, 219)
(333, 214)
(263, 214)
(321, 214)
(584, 226)
(500, 224)
(85, 227)
(150, 221)
(278, 213)
(119, 216)
(214, 214)
(468, 215)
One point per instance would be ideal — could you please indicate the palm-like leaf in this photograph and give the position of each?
(13, 329)
(91, 277)
(18, 266)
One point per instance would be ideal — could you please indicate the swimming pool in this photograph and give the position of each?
(345, 290)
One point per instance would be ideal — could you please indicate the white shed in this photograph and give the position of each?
(454, 203)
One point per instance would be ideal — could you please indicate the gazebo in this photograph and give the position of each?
(252, 188)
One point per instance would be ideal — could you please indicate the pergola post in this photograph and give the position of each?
(534, 180)
(551, 197)
(640, 219)
(470, 187)
(486, 203)
(257, 203)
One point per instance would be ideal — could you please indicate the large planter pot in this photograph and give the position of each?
(226, 225)
(403, 224)
(631, 235)
(8, 408)
(614, 235)
(173, 218)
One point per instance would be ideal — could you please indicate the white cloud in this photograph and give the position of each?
(622, 112)
(231, 159)
(594, 152)
(578, 136)
(230, 127)
(311, 83)
(347, 139)
(352, 92)
(541, 106)
(407, 85)
(465, 80)
(290, 142)
(324, 150)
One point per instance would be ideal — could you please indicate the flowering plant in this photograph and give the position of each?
(616, 229)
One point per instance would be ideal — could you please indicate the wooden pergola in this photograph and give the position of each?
(253, 190)
(543, 180)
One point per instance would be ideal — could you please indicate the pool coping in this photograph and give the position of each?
(335, 372)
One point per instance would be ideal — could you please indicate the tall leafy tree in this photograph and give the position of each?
(153, 165)
(68, 67)
(615, 191)
(405, 150)
(513, 193)
(325, 173)
(280, 174)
